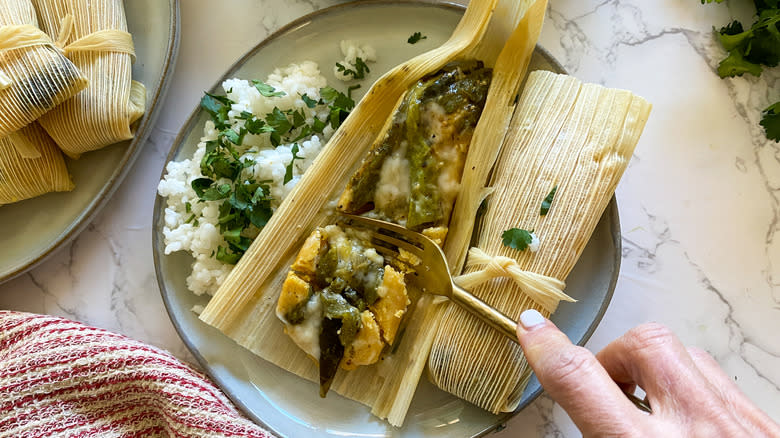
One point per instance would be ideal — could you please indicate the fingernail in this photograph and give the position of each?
(531, 318)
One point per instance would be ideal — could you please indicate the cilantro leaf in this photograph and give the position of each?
(217, 107)
(280, 124)
(310, 103)
(200, 185)
(547, 202)
(288, 174)
(227, 257)
(267, 90)
(215, 193)
(416, 37)
(234, 137)
(770, 120)
(361, 68)
(517, 238)
(339, 104)
(256, 126)
(736, 65)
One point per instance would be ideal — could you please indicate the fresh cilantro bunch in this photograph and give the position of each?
(752, 49)
(245, 206)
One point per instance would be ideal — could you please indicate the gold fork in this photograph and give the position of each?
(432, 272)
(434, 277)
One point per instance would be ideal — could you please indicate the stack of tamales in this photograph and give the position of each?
(35, 76)
(576, 136)
(71, 78)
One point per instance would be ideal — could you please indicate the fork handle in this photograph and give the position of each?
(504, 324)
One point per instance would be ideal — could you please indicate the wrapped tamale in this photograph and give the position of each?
(35, 76)
(500, 33)
(31, 165)
(94, 36)
(568, 143)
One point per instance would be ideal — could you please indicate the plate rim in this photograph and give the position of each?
(101, 198)
(611, 211)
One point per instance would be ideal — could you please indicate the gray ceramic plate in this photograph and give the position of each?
(35, 228)
(281, 401)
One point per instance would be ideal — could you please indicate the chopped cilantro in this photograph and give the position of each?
(200, 185)
(310, 103)
(244, 202)
(416, 37)
(217, 107)
(351, 88)
(288, 174)
(517, 238)
(227, 257)
(339, 103)
(358, 73)
(267, 90)
(547, 201)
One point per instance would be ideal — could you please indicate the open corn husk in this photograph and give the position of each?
(94, 36)
(243, 308)
(35, 76)
(565, 134)
(31, 165)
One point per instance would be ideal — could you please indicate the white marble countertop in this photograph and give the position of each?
(699, 204)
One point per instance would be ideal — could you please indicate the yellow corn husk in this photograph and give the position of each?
(243, 307)
(31, 165)
(35, 76)
(94, 35)
(578, 137)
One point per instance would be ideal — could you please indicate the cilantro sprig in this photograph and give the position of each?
(359, 72)
(753, 49)
(416, 37)
(245, 204)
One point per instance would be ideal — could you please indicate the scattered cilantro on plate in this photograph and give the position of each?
(416, 37)
(517, 238)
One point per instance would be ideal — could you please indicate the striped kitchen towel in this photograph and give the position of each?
(66, 379)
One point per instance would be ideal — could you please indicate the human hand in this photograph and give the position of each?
(689, 393)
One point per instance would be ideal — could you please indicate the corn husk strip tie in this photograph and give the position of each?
(546, 291)
(107, 40)
(15, 37)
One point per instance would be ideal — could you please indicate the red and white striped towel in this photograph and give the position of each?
(63, 378)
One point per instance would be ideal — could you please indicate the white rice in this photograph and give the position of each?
(201, 240)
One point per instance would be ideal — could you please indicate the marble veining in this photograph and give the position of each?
(699, 203)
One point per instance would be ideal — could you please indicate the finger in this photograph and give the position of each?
(748, 414)
(652, 357)
(573, 377)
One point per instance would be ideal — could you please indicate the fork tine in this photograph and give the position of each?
(410, 236)
(386, 251)
(401, 244)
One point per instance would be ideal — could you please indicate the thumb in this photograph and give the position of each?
(575, 379)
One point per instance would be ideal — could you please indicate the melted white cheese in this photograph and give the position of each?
(307, 334)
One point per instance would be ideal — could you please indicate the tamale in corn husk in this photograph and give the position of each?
(565, 134)
(35, 76)
(94, 36)
(31, 165)
(243, 308)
